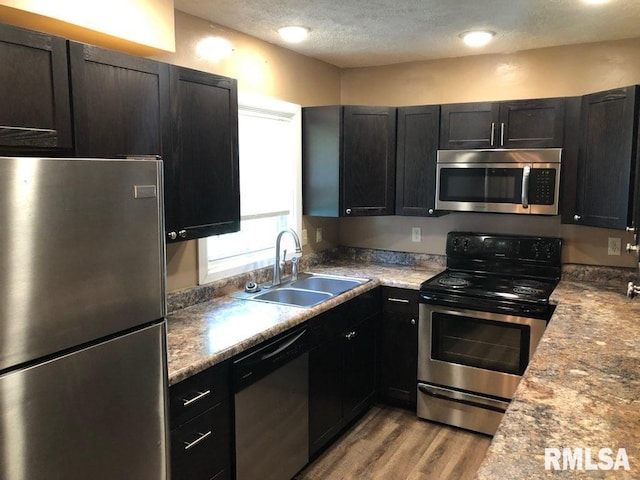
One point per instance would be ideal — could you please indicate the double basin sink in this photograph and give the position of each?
(308, 290)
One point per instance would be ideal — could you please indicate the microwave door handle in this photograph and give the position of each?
(525, 186)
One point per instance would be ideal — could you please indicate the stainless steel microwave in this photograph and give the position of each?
(524, 181)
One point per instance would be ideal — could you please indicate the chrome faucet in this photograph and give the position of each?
(294, 260)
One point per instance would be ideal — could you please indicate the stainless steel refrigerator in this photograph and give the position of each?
(82, 329)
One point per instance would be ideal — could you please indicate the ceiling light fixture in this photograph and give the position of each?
(293, 33)
(477, 38)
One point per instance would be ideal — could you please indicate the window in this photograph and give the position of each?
(270, 152)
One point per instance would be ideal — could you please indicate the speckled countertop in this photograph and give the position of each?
(581, 390)
(205, 334)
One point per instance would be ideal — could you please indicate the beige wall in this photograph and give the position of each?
(260, 68)
(563, 71)
(134, 26)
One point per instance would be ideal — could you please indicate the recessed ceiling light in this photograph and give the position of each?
(477, 38)
(294, 33)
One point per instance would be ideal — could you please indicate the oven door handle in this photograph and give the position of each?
(463, 397)
(525, 186)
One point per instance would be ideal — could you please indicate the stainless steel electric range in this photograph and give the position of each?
(480, 322)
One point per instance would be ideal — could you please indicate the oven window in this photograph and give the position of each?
(486, 344)
(492, 185)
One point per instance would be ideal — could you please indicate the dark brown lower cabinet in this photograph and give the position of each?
(200, 417)
(342, 367)
(398, 359)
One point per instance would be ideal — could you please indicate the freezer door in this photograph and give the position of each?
(82, 252)
(99, 413)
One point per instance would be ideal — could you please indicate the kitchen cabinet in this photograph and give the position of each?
(418, 133)
(348, 160)
(34, 93)
(607, 159)
(535, 123)
(200, 419)
(202, 183)
(398, 359)
(120, 103)
(342, 368)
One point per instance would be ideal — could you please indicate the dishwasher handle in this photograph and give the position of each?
(283, 347)
(264, 360)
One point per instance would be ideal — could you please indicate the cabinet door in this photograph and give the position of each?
(368, 163)
(417, 145)
(120, 103)
(201, 448)
(606, 162)
(325, 393)
(359, 367)
(398, 360)
(537, 123)
(34, 92)
(202, 190)
(468, 125)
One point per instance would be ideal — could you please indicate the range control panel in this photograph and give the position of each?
(469, 245)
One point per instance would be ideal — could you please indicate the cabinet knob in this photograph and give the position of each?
(431, 210)
(577, 217)
(348, 211)
(172, 235)
(413, 321)
(182, 233)
(350, 335)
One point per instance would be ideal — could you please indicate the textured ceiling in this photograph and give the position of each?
(357, 33)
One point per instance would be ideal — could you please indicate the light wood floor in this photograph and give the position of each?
(393, 444)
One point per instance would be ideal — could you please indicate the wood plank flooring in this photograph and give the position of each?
(393, 444)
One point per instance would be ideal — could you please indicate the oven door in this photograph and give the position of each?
(480, 352)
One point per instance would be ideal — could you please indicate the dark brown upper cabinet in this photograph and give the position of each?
(35, 111)
(418, 134)
(202, 183)
(120, 103)
(536, 123)
(348, 160)
(607, 157)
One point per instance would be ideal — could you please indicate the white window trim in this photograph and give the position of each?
(248, 102)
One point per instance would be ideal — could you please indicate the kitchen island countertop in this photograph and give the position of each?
(581, 390)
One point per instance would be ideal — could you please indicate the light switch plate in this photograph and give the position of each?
(318, 235)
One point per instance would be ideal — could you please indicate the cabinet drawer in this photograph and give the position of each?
(200, 449)
(400, 300)
(198, 393)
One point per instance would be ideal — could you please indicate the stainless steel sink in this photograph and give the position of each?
(308, 290)
(293, 296)
(320, 283)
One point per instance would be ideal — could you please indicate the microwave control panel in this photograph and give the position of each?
(542, 186)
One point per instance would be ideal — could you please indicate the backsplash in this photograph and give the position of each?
(616, 277)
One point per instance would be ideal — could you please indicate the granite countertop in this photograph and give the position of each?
(208, 333)
(581, 390)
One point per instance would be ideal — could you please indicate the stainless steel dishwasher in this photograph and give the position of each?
(271, 398)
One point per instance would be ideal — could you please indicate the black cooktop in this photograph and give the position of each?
(486, 271)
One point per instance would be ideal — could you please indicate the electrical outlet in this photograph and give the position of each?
(614, 246)
(416, 234)
(305, 238)
(318, 235)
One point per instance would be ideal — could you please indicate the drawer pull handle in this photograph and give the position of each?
(199, 396)
(398, 300)
(350, 335)
(202, 436)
